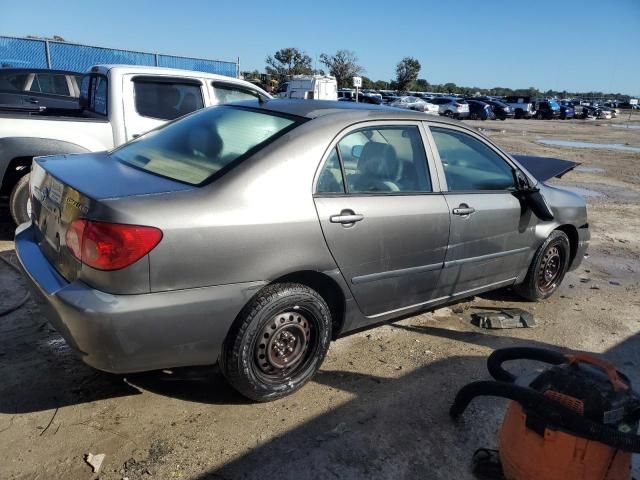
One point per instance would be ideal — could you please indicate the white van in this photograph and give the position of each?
(310, 87)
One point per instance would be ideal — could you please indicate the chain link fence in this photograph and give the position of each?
(32, 53)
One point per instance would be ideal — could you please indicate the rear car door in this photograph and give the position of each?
(491, 233)
(382, 215)
(157, 100)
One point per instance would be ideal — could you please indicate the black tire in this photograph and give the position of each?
(519, 113)
(547, 269)
(252, 357)
(19, 199)
(448, 113)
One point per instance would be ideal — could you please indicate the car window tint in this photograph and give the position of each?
(53, 84)
(35, 85)
(99, 96)
(385, 159)
(226, 93)
(330, 178)
(196, 147)
(15, 82)
(166, 100)
(469, 164)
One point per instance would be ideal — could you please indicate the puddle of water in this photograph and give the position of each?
(583, 192)
(626, 126)
(600, 146)
(589, 169)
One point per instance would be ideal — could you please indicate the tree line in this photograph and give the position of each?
(343, 65)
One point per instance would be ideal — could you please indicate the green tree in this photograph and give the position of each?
(287, 62)
(422, 85)
(407, 72)
(343, 65)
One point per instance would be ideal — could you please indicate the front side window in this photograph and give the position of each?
(166, 100)
(226, 93)
(469, 164)
(195, 148)
(384, 159)
(15, 82)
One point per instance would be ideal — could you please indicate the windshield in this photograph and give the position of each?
(194, 148)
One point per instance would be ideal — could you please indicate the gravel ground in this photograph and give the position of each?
(377, 409)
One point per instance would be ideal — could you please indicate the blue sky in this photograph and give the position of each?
(561, 44)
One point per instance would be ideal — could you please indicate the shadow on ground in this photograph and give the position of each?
(397, 428)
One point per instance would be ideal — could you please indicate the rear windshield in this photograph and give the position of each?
(193, 149)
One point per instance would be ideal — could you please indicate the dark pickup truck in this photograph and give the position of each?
(23, 87)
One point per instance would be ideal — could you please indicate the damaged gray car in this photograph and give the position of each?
(253, 234)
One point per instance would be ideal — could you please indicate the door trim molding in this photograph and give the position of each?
(488, 256)
(373, 277)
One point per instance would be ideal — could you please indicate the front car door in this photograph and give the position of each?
(492, 234)
(383, 217)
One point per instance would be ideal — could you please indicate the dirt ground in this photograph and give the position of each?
(377, 409)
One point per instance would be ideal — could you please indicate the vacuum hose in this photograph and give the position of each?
(498, 357)
(555, 413)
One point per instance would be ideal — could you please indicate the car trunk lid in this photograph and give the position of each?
(66, 188)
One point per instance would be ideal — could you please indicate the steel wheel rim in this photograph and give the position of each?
(283, 345)
(550, 269)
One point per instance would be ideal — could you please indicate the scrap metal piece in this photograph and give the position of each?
(504, 318)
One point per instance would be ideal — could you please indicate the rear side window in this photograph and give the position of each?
(194, 149)
(98, 101)
(384, 159)
(469, 164)
(166, 100)
(226, 92)
(94, 94)
(50, 83)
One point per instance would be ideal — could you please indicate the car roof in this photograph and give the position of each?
(36, 70)
(356, 111)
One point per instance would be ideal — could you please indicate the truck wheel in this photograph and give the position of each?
(547, 270)
(19, 202)
(519, 113)
(277, 343)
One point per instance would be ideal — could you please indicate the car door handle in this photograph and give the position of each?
(463, 210)
(346, 217)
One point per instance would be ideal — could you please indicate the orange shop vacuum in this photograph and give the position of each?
(575, 420)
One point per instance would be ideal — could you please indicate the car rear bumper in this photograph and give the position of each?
(131, 333)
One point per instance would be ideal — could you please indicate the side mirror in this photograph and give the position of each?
(356, 151)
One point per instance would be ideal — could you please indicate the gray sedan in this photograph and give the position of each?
(254, 233)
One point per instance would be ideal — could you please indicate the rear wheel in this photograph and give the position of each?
(19, 203)
(448, 113)
(277, 343)
(547, 270)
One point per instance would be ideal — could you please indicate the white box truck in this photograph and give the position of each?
(310, 87)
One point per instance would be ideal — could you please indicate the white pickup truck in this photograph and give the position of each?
(118, 103)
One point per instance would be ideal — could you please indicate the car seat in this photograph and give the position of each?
(377, 169)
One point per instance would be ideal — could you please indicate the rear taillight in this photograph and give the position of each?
(110, 246)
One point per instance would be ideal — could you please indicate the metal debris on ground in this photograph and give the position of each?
(503, 318)
(95, 461)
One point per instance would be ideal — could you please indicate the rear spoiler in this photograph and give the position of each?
(544, 168)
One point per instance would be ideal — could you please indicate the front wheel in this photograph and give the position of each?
(19, 202)
(277, 343)
(547, 270)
